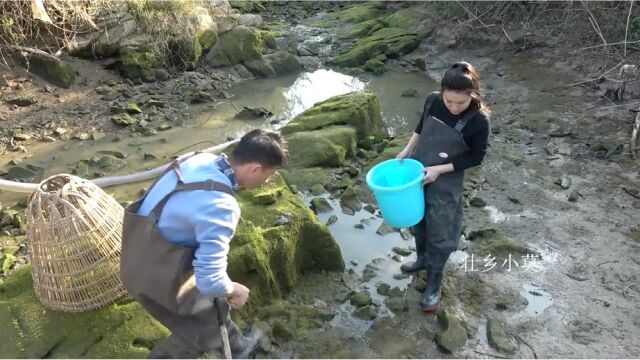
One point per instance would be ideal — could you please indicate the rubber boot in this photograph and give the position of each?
(413, 266)
(432, 294)
(418, 232)
(243, 345)
(435, 272)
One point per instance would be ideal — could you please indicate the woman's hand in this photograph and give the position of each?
(403, 154)
(431, 174)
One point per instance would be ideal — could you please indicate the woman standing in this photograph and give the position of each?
(451, 137)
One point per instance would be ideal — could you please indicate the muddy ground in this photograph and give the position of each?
(581, 296)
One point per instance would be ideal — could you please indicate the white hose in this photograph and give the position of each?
(15, 186)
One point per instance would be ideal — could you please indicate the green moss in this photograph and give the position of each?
(56, 72)
(238, 45)
(358, 13)
(374, 66)
(281, 331)
(134, 64)
(268, 38)
(405, 18)
(500, 246)
(392, 42)
(267, 255)
(360, 110)
(452, 335)
(363, 29)
(327, 147)
(207, 38)
(305, 178)
(32, 331)
(534, 123)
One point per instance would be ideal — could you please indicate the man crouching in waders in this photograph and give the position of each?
(176, 240)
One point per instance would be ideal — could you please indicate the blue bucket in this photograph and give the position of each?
(397, 187)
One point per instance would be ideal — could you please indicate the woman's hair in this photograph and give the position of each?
(463, 77)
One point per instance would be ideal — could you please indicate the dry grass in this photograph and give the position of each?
(51, 29)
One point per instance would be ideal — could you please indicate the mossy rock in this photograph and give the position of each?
(283, 63)
(405, 18)
(358, 13)
(52, 70)
(374, 66)
(452, 336)
(260, 68)
(136, 64)
(238, 45)
(207, 38)
(121, 330)
(7, 257)
(326, 147)
(363, 29)
(281, 331)
(268, 257)
(498, 245)
(360, 110)
(392, 42)
(305, 178)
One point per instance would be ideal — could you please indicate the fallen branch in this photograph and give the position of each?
(113, 180)
(605, 45)
(626, 29)
(535, 356)
(607, 262)
(492, 355)
(507, 35)
(634, 137)
(594, 23)
(624, 292)
(633, 192)
(586, 81)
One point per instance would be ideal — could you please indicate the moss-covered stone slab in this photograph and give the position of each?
(452, 336)
(268, 256)
(360, 110)
(50, 68)
(327, 147)
(391, 42)
(238, 45)
(122, 330)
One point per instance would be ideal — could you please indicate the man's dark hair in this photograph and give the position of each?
(265, 147)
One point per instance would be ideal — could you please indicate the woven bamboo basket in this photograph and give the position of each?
(74, 233)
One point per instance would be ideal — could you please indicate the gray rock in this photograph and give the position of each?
(573, 196)
(564, 182)
(359, 226)
(118, 154)
(21, 137)
(347, 211)
(420, 284)
(410, 93)
(361, 298)
(249, 113)
(398, 258)
(283, 63)
(397, 304)
(384, 229)
(452, 336)
(109, 163)
(317, 190)
(383, 289)
(369, 272)
(253, 20)
(396, 292)
(498, 337)
(332, 220)
(27, 173)
(350, 200)
(401, 276)
(162, 75)
(406, 234)
(150, 156)
(370, 209)
(477, 202)
(320, 205)
(401, 251)
(366, 312)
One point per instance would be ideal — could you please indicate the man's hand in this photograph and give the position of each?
(238, 296)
